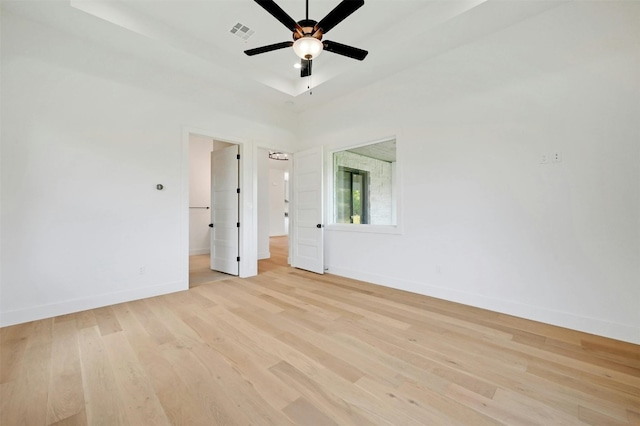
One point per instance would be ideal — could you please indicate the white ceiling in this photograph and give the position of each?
(194, 37)
(384, 151)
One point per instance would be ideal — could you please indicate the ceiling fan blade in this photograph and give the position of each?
(268, 48)
(282, 16)
(344, 50)
(305, 71)
(338, 14)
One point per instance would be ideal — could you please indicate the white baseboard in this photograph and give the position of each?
(195, 252)
(264, 255)
(596, 326)
(20, 316)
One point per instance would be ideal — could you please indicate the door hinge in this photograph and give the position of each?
(237, 156)
(238, 190)
(238, 224)
(238, 259)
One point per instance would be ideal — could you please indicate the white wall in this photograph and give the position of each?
(276, 203)
(83, 148)
(484, 222)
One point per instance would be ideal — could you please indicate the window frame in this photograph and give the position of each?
(364, 193)
(331, 225)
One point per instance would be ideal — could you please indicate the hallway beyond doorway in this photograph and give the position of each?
(279, 249)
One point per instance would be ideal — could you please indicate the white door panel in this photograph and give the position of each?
(307, 230)
(225, 210)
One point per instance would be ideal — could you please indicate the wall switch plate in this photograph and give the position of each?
(556, 157)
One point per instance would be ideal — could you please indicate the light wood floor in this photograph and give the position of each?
(200, 271)
(291, 347)
(279, 250)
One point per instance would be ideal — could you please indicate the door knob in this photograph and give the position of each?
(211, 225)
(319, 225)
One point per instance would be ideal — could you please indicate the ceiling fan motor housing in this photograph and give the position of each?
(309, 29)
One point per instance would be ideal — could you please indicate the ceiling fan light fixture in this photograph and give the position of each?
(307, 47)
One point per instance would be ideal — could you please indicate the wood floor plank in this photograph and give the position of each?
(292, 347)
(242, 392)
(172, 315)
(86, 319)
(302, 412)
(423, 317)
(250, 362)
(515, 402)
(634, 417)
(334, 404)
(78, 419)
(25, 398)
(596, 418)
(450, 410)
(345, 304)
(12, 348)
(106, 320)
(343, 369)
(318, 397)
(66, 394)
(103, 405)
(179, 405)
(203, 384)
(289, 295)
(253, 325)
(505, 413)
(153, 326)
(134, 386)
(344, 360)
(15, 332)
(230, 293)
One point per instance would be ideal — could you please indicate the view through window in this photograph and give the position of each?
(364, 184)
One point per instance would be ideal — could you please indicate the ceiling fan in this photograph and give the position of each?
(307, 34)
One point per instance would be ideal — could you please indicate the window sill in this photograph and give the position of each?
(372, 229)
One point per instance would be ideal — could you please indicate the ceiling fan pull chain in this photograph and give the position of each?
(309, 86)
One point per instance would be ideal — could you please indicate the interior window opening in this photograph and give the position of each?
(364, 184)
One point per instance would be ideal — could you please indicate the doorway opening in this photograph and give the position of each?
(254, 235)
(273, 200)
(206, 196)
(279, 249)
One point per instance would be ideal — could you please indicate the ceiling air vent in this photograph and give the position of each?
(242, 31)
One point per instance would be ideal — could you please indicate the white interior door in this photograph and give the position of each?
(225, 231)
(308, 228)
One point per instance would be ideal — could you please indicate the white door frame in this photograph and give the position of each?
(248, 201)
